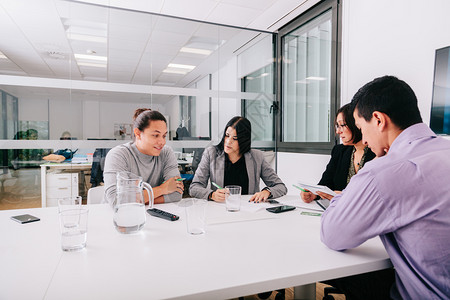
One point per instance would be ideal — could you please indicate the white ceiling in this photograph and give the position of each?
(137, 46)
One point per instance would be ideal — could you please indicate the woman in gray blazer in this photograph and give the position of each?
(232, 162)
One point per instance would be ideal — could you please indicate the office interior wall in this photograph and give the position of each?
(33, 109)
(65, 115)
(202, 108)
(382, 37)
(91, 124)
(223, 108)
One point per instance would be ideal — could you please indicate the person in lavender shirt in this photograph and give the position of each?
(403, 197)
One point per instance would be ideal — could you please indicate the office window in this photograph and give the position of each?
(259, 111)
(309, 80)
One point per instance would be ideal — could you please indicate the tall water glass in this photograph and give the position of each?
(195, 215)
(233, 197)
(129, 210)
(73, 224)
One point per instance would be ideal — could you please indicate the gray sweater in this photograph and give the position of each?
(153, 169)
(212, 167)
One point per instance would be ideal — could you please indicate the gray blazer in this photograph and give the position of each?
(212, 167)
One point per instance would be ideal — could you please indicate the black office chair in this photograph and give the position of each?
(98, 164)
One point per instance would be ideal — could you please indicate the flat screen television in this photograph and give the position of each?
(440, 107)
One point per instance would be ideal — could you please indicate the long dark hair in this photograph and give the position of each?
(347, 112)
(143, 116)
(243, 129)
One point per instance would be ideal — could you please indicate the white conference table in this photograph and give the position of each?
(241, 253)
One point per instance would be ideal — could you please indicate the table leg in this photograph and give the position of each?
(305, 292)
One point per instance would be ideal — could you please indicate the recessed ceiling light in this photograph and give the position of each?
(196, 51)
(87, 64)
(172, 71)
(180, 66)
(90, 57)
(87, 38)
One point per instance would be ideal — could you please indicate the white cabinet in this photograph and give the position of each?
(60, 185)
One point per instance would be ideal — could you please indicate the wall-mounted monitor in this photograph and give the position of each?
(440, 108)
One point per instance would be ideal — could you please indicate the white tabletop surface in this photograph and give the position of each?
(241, 253)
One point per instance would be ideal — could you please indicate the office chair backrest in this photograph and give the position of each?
(95, 195)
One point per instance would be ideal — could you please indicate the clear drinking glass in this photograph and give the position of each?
(73, 223)
(195, 215)
(129, 210)
(69, 203)
(233, 197)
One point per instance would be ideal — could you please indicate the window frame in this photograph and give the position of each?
(336, 21)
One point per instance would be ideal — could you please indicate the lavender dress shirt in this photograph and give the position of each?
(404, 197)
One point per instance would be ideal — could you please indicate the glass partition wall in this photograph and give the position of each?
(73, 75)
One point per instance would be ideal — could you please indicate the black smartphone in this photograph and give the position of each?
(25, 219)
(280, 209)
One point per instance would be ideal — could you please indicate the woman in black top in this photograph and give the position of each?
(233, 162)
(346, 158)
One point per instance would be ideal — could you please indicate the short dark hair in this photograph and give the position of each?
(391, 96)
(143, 116)
(243, 129)
(349, 120)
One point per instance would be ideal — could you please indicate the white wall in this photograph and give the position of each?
(202, 108)
(382, 37)
(223, 109)
(33, 110)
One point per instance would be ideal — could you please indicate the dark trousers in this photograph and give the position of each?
(374, 285)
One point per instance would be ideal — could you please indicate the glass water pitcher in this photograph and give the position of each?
(129, 210)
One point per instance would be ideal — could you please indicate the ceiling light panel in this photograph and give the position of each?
(181, 66)
(198, 51)
(175, 71)
(90, 57)
(90, 64)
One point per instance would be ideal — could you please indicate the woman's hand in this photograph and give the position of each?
(172, 185)
(307, 197)
(260, 196)
(219, 195)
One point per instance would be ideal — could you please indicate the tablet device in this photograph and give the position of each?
(22, 219)
(315, 188)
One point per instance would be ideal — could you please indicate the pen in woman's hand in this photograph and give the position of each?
(216, 185)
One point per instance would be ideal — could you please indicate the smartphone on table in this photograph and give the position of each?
(280, 209)
(23, 219)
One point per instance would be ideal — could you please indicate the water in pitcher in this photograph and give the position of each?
(129, 210)
(129, 217)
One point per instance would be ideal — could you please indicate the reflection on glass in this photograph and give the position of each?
(306, 77)
(106, 62)
(259, 111)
